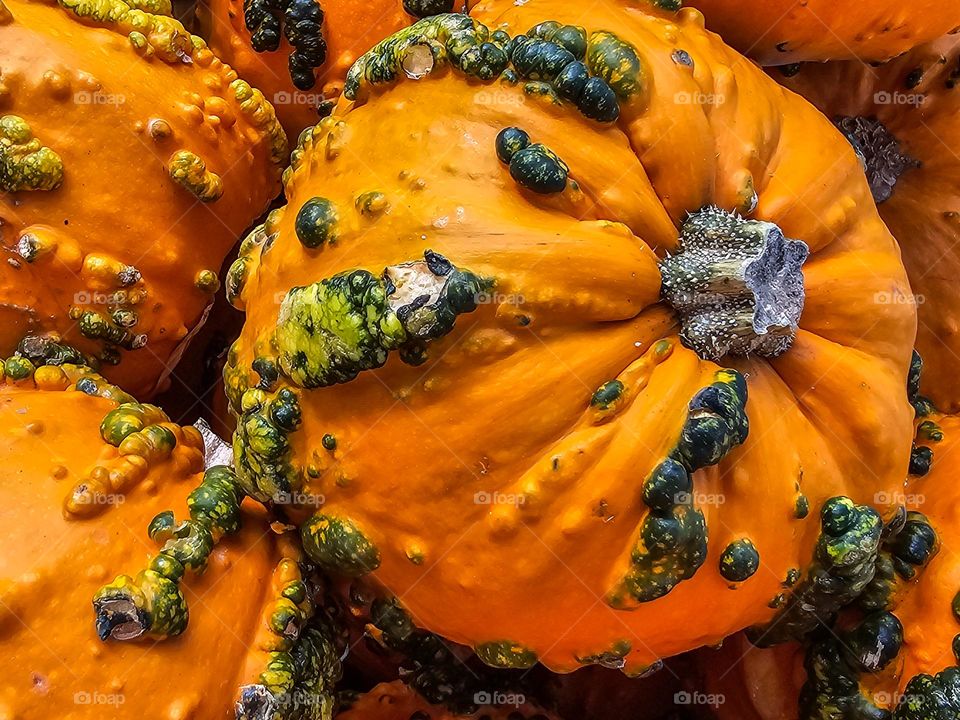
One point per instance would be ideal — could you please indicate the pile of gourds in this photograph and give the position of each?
(574, 341)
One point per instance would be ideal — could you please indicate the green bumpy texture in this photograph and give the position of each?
(434, 669)
(843, 565)
(152, 603)
(453, 38)
(330, 331)
(25, 164)
(337, 544)
(931, 697)
(673, 538)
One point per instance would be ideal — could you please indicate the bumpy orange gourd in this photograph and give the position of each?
(74, 508)
(904, 117)
(131, 158)
(919, 590)
(396, 701)
(778, 32)
(504, 423)
(348, 29)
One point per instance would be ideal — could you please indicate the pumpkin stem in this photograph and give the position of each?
(736, 284)
(879, 152)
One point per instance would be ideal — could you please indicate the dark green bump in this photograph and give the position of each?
(801, 507)
(537, 168)
(669, 484)
(18, 368)
(571, 81)
(616, 62)
(739, 560)
(793, 577)
(540, 59)
(506, 654)
(956, 648)
(607, 394)
(598, 101)
(921, 458)
(316, 223)
(510, 141)
(426, 8)
(837, 516)
(329, 442)
(484, 61)
(338, 545)
(875, 642)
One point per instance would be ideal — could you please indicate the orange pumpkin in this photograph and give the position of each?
(894, 653)
(550, 466)
(396, 701)
(778, 32)
(903, 117)
(75, 501)
(247, 34)
(131, 158)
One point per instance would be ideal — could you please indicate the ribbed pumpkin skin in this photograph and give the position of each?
(52, 663)
(503, 402)
(915, 98)
(349, 29)
(117, 120)
(396, 701)
(778, 32)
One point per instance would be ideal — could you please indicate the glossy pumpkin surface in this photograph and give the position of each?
(75, 509)
(504, 424)
(904, 118)
(131, 158)
(778, 32)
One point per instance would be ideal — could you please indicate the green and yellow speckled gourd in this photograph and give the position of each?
(86, 468)
(131, 159)
(298, 51)
(903, 117)
(572, 355)
(778, 32)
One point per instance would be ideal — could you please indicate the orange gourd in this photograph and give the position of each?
(131, 158)
(904, 117)
(778, 32)
(300, 93)
(85, 469)
(894, 653)
(466, 347)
